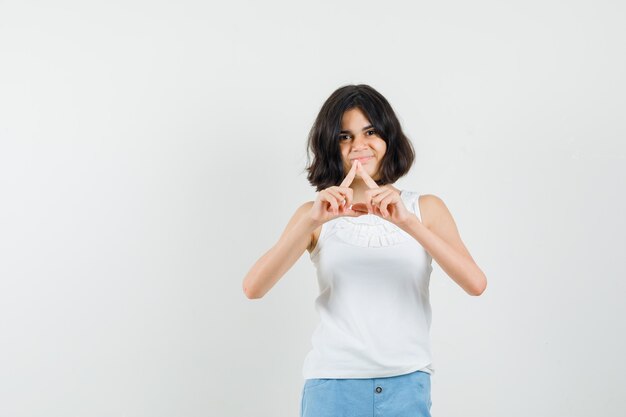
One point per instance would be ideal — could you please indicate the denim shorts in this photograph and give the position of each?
(405, 395)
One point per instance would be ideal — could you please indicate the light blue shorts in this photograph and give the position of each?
(405, 395)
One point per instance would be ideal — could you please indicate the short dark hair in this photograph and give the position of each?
(327, 167)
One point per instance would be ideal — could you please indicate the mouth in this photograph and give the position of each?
(362, 160)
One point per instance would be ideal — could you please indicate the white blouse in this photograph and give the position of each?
(373, 302)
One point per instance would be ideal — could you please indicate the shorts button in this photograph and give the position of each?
(379, 390)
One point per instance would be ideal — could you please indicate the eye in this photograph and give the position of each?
(342, 137)
(371, 132)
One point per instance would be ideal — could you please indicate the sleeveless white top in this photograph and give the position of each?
(373, 303)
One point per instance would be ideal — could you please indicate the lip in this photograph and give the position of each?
(362, 159)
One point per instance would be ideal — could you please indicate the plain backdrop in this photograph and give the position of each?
(152, 151)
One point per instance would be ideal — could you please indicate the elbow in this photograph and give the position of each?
(480, 287)
(250, 292)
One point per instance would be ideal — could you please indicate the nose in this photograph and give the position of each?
(360, 141)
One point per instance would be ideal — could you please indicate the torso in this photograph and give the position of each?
(424, 211)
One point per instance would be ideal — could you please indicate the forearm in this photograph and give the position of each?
(460, 268)
(279, 259)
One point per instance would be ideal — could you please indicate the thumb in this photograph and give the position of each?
(353, 213)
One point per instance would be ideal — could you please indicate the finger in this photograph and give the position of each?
(351, 174)
(385, 202)
(379, 194)
(331, 200)
(354, 213)
(335, 192)
(366, 177)
(334, 206)
(370, 198)
(348, 195)
(360, 207)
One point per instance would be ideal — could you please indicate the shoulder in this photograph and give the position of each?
(430, 200)
(298, 214)
(305, 207)
(301, 211)
(431, 208)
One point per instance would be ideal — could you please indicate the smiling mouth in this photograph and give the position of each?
(362, 159)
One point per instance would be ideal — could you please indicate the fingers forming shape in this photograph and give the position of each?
(351, 174)
(385, 200)
(369, 181)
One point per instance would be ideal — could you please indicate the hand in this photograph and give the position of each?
(383, 201)
(336, 201)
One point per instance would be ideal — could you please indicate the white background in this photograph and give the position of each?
(151, 152)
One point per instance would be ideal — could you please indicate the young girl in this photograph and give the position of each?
(372, 245)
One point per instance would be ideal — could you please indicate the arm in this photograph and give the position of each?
(296, 238)
(442, 241)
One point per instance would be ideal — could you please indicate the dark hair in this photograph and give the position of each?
(327, 168)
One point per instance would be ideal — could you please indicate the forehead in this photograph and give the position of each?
(354, 116)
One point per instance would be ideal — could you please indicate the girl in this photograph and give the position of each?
(372, 245)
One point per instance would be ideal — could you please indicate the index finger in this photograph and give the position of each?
(366, 177)
(351, 174)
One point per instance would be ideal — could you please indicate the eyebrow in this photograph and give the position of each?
(347, 131)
